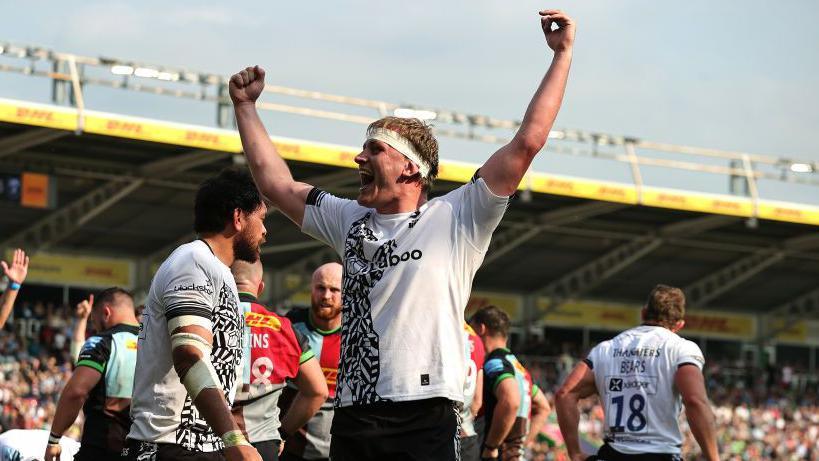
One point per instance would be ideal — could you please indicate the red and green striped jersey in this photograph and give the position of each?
(274, 350)
(313, 440)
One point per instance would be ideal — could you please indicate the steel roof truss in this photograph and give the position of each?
(593, 273)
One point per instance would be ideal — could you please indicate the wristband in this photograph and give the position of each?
(234, 439)
(14, 285)
(53, 439)
(490, 447)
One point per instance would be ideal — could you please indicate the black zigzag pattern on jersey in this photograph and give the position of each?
(360, 365)
(228, 329)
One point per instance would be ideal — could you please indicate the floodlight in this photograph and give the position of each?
(801, 167)
(122, 70)
(146, 72)
(168, 76)
(412, 113)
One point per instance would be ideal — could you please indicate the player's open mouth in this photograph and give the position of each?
(366, 178)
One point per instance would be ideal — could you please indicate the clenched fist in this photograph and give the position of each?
(247, 85)
(562, 38)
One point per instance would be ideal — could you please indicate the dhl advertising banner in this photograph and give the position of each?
(63, 118)
(590, 314)
(606, 316)
(801, 333)
(720, 324)
(54, 269)
(509, 303)
(796, 333)
(703, 203)
(26, 113)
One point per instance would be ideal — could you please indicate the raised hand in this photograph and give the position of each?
(84, 307)
(18, 269)
(562, 38)
(247, 85)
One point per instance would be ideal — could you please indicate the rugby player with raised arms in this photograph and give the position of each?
(643, 376)
(408, 260)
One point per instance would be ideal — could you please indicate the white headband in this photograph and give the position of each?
(401, 144)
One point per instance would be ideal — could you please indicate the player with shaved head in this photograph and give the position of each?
(276, 353)
(321, 324)
(409, 261)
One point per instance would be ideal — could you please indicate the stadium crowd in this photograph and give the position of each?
(35, 363)
(761, 414)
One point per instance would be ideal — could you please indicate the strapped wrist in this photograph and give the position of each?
(54, 439)
(14, 285)
(234, 438)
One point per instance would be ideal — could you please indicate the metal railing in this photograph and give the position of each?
(71, 74)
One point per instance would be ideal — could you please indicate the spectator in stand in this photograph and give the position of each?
(80, 326)
(16, 275)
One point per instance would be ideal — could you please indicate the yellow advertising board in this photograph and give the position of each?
(54, 269)
(511, 304)
(796, 333)
(590, 314)
(201, 137)
(802, 333)
(720, 324)
(27, 113)
(609, 316)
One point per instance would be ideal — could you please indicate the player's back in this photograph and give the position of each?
(634, 373)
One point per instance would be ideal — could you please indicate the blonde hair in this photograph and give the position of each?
(665, 306)
(420, 135)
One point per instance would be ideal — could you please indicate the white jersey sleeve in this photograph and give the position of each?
(479, 211)
(189, 292)
(326, 218)
(688, 352)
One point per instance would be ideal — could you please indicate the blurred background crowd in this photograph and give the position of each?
(763, 413)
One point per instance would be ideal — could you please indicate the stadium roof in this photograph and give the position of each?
(125, 188)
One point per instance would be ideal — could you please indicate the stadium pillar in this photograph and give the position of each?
(143, 279)
(59, 86)
(529, 316)
(224, 109)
